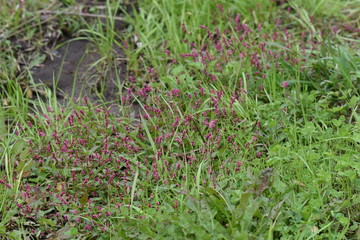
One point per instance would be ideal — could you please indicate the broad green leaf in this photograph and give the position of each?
(25, 162)
(279, 185)
(177, 70)
(47, 222)
(18, 147)
(240, 209)
(72, 231)
(356, 137)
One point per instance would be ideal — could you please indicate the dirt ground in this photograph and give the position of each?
(75, 69)
(72, 71)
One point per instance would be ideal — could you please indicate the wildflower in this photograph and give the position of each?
(125, 44)
(49, 109)
(203, 27)
(131, 79)
(203, 48)
(42, 134)
(87, 227)
(213, 77)
(277, 22)
(208, 136)
(176, 123)
(6, 184)
(212, 123)
(218, 46)
(285, 84)
(175, 92)
(183, 27)
(237, 22)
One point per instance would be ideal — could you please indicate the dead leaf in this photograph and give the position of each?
(264, 180)
(29, 93)
(314, 229)
(60, 187)
(6, 102)
(299, 183)
(84, 199)
(61, 233)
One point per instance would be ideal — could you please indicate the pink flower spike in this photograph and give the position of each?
(184, 28)
(49, 109)
(42, 134)
(220, 7)
(212, 123)
(237, 20)
(285, 84)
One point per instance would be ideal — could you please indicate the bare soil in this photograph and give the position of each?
(73, 72)
(76, 69)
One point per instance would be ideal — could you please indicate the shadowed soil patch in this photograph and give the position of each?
(77, 70)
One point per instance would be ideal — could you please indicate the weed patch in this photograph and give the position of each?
(248, 129)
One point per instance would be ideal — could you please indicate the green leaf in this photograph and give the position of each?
(177, 70)
(356, 137)
(62, 233)
(306, 212)
(2, 229)
(191, 204)
(18, 147)
(343, 220)
(309, 129)
(47, 222)
(240, 209)
(353, 101)
(24, 164)
(25, 154)
(72, 231)
(218, 201)
(351, 174)
(279, 185)
(196, 65)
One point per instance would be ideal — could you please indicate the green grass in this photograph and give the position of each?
(249, 127)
